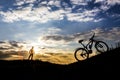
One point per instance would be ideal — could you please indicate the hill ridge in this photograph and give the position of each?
(106, 63)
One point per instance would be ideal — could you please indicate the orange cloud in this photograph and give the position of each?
(57, 58)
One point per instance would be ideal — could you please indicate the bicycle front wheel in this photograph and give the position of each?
(81, 54)
(101, 46)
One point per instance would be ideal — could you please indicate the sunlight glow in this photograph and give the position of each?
(39, 46)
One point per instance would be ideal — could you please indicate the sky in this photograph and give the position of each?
(55, 26)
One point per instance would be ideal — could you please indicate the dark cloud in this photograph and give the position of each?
(3, 55)
(14, 43)
(7, 54)
(11, 45)
(59, 38)
(4, 48)
(11, 55)
(1, 42)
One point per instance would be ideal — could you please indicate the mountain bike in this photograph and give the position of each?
(84, 52)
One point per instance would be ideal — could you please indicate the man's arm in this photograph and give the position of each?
(30, 51)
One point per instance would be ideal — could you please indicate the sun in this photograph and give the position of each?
(38, 46)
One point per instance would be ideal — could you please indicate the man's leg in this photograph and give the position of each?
(31, 56)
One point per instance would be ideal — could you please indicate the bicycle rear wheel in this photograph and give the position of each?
(81, 54)
(101, 46)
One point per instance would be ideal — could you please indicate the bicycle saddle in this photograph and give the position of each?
(80, 41)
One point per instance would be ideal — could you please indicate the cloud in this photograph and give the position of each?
(53, 37)
(2, 42)
(3, 55)
(54, 3)
(108, 2)
(14, 43)
(21, 2)
(51, 56)
(97, 1)
(79, 2)
(13, 55)
(113, 2)
(109, 7)
(4, 48)
(85, 16)
(57, 58)
(46, 11)
(58, 37)
(40, 14)
(108, 34)
(53, 30)
(11, 45)
(101, 34)
(12, 50)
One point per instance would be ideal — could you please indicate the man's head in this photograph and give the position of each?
(32, 47)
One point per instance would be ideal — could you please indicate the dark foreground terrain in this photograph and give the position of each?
(103, 66)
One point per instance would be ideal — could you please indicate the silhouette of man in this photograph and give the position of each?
(31, 52)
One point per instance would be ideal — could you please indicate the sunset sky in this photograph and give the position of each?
(55, 26)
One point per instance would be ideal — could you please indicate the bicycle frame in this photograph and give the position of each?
(90, 44)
